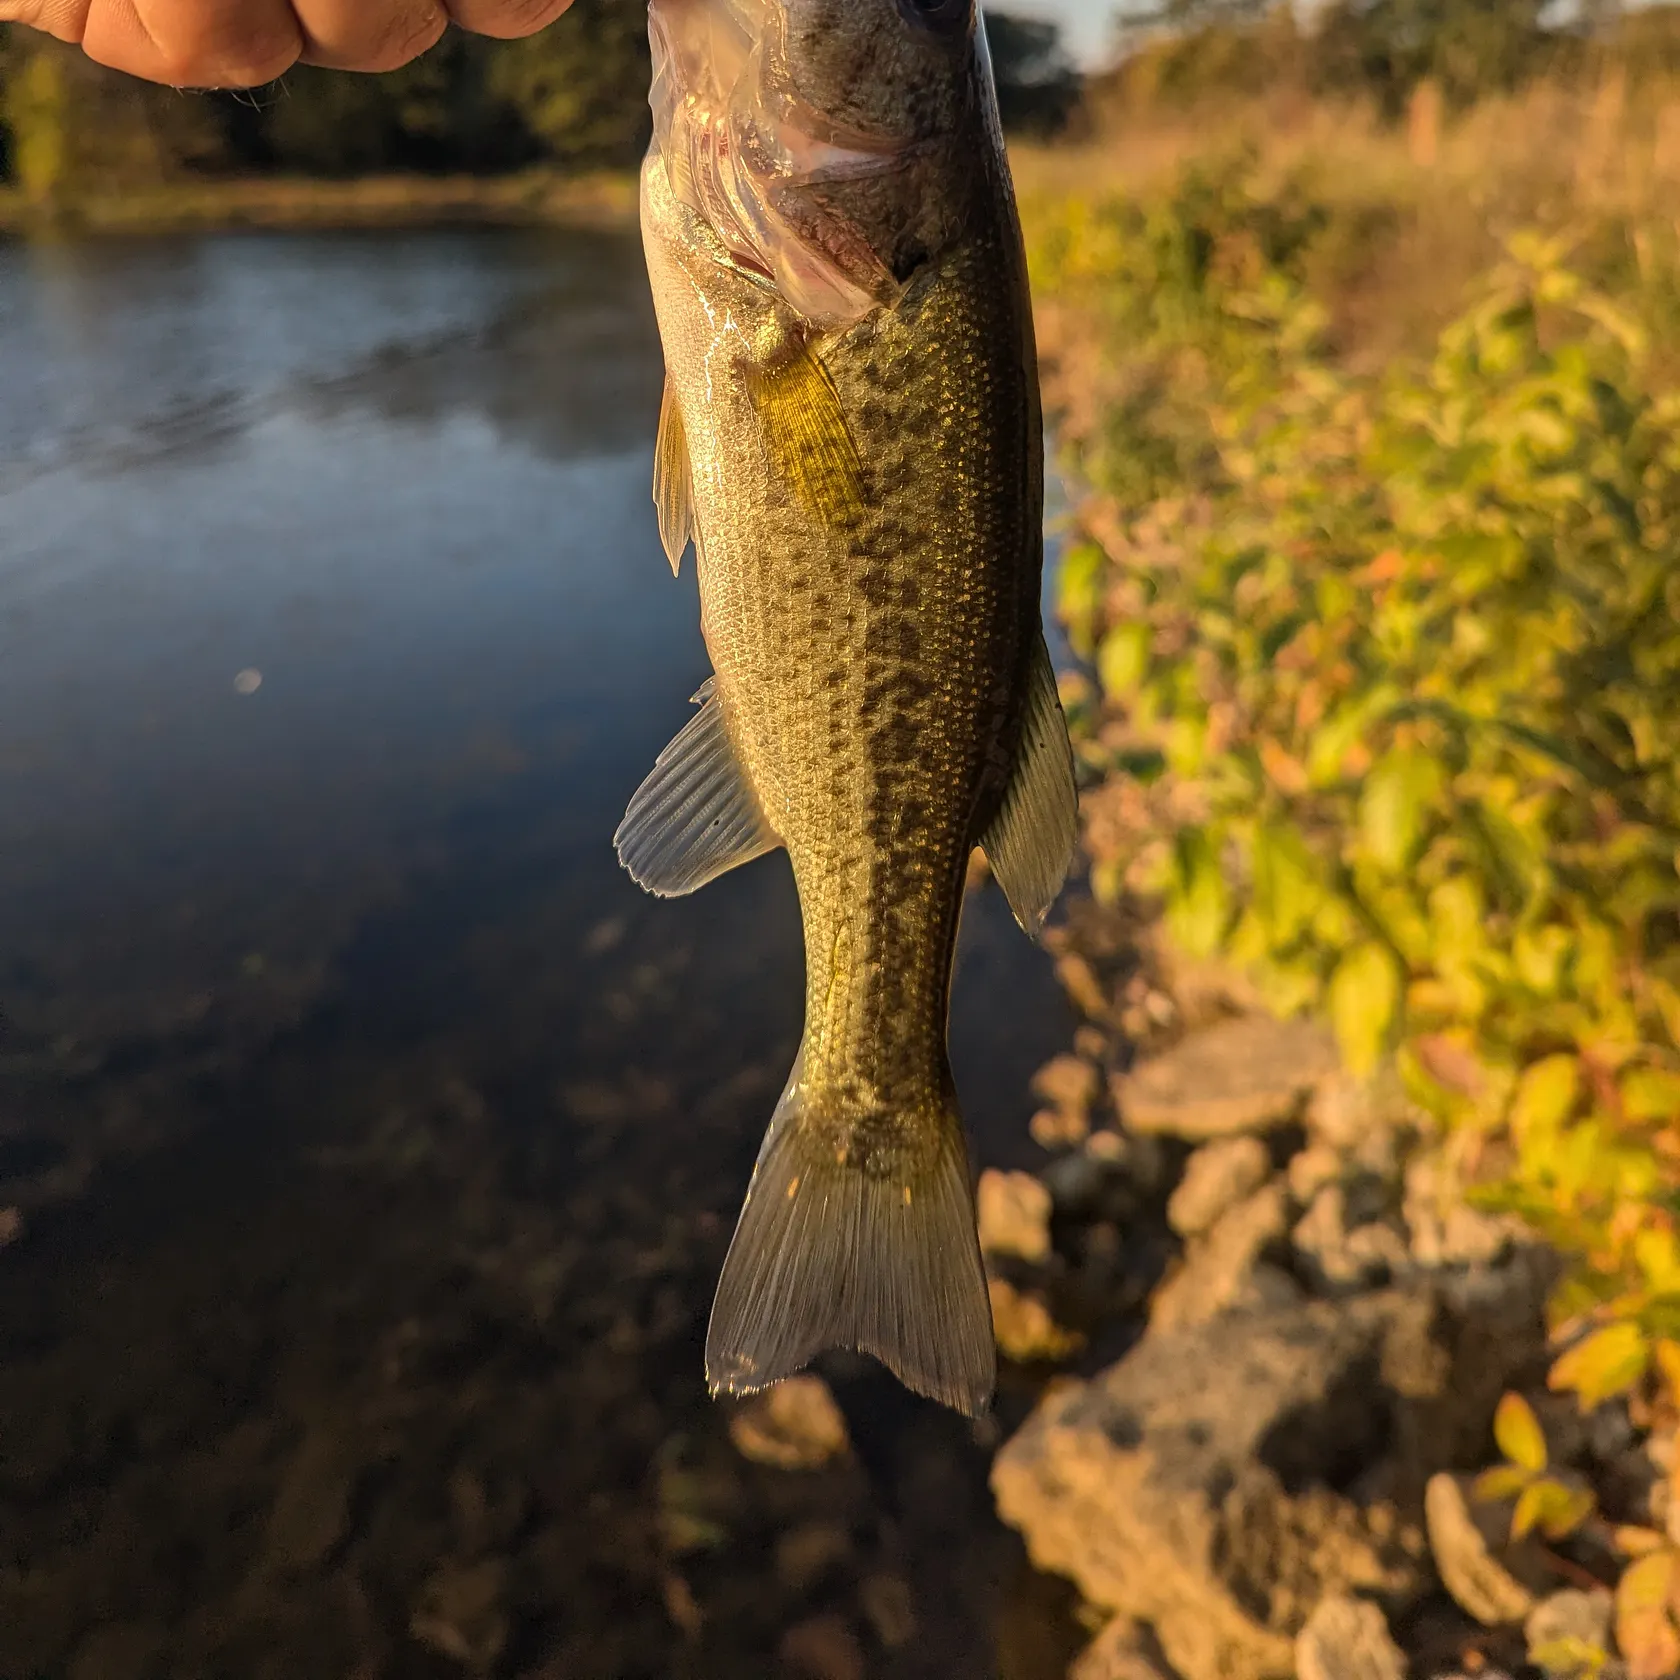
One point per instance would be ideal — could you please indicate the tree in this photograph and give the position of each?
(1037, 85)
(436, 114)
(1468, 47)
(74, 128)
(579, 87)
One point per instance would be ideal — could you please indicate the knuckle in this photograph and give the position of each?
(413, 31)
(198, 50)
(511, 18)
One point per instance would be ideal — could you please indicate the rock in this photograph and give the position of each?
(890, 1608)
(1192, 1485)
(1460, 1538)
(804, 1555)
(1110, 1178)
(1216, 1178)
(119, 1651)
(1444, 1230)
(1222, 1479)
(1066, 1082)
(823, 1648)
(461, 1613)
(1245, 1075)
(1025, 1330)
(682, 1606)
(485, 1521)
(11, 1226)
(1069, 1085)
(311, 1512)
(1119, 1652)
(1219, 1269)
(1207, 988)
(1316, 1166)
(1347, 1110)
(1568, 1634)
(1058, 1128)
(1080, 981)
(1091, 1044)
(794, 1426)
(1347, 1639)
(1336, 1258)
(1014, 1215)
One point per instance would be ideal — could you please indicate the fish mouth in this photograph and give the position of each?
(749, 153)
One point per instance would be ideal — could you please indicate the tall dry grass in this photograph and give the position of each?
(1413, 212)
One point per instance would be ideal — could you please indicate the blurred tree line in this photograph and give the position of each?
(1188, 50)
(574, 96)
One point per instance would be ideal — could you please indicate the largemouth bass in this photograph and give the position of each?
(851, 440)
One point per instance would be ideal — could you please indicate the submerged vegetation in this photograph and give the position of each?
(1376, 579)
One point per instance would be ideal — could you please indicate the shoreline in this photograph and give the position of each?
(600, 199)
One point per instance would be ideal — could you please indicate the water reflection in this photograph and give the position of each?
(376, 1140)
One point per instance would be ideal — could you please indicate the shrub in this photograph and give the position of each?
(1383, 696)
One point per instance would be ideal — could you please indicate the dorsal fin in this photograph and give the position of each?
(673, 481)
(696, 816)
(1030, 841)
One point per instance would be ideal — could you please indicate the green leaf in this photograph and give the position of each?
(1364, 1004)
(1569, 1657)
(1530, 1504)
(1608, 1362)
(1538, 957)
(1562, 1509)
(1651, 1094)
(1198, 900)
(1079, 594)
(1518, 1432)
(1287, 889)
(1503, 1481)
(1123, 658)
(1337, 735)
(1545, 1095)
(1392, 805)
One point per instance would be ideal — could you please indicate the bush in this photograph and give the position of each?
(1384, 690)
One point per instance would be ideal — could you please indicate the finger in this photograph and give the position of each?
(64, 18)
(362, 35)
(194, 43)
(505, 18)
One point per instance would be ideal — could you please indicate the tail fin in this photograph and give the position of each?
(836, 1252)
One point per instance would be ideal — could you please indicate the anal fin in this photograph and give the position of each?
(673, 482)
(696, 816)
(1031, 838)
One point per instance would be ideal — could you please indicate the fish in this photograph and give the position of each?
(851, 443)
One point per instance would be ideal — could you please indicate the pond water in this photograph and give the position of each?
(369, 1144)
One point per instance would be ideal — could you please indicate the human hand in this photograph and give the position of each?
(242, 43)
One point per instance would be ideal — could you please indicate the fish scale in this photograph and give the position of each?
(865, 495)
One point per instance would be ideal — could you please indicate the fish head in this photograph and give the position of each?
(825, 143)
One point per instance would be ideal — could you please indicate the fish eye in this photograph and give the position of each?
(935, 14)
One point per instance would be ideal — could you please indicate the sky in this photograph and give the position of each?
(1086, 23)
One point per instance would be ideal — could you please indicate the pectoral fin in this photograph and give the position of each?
(1030, 841)
(696, 816)
(673, 482)
(806, 437)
